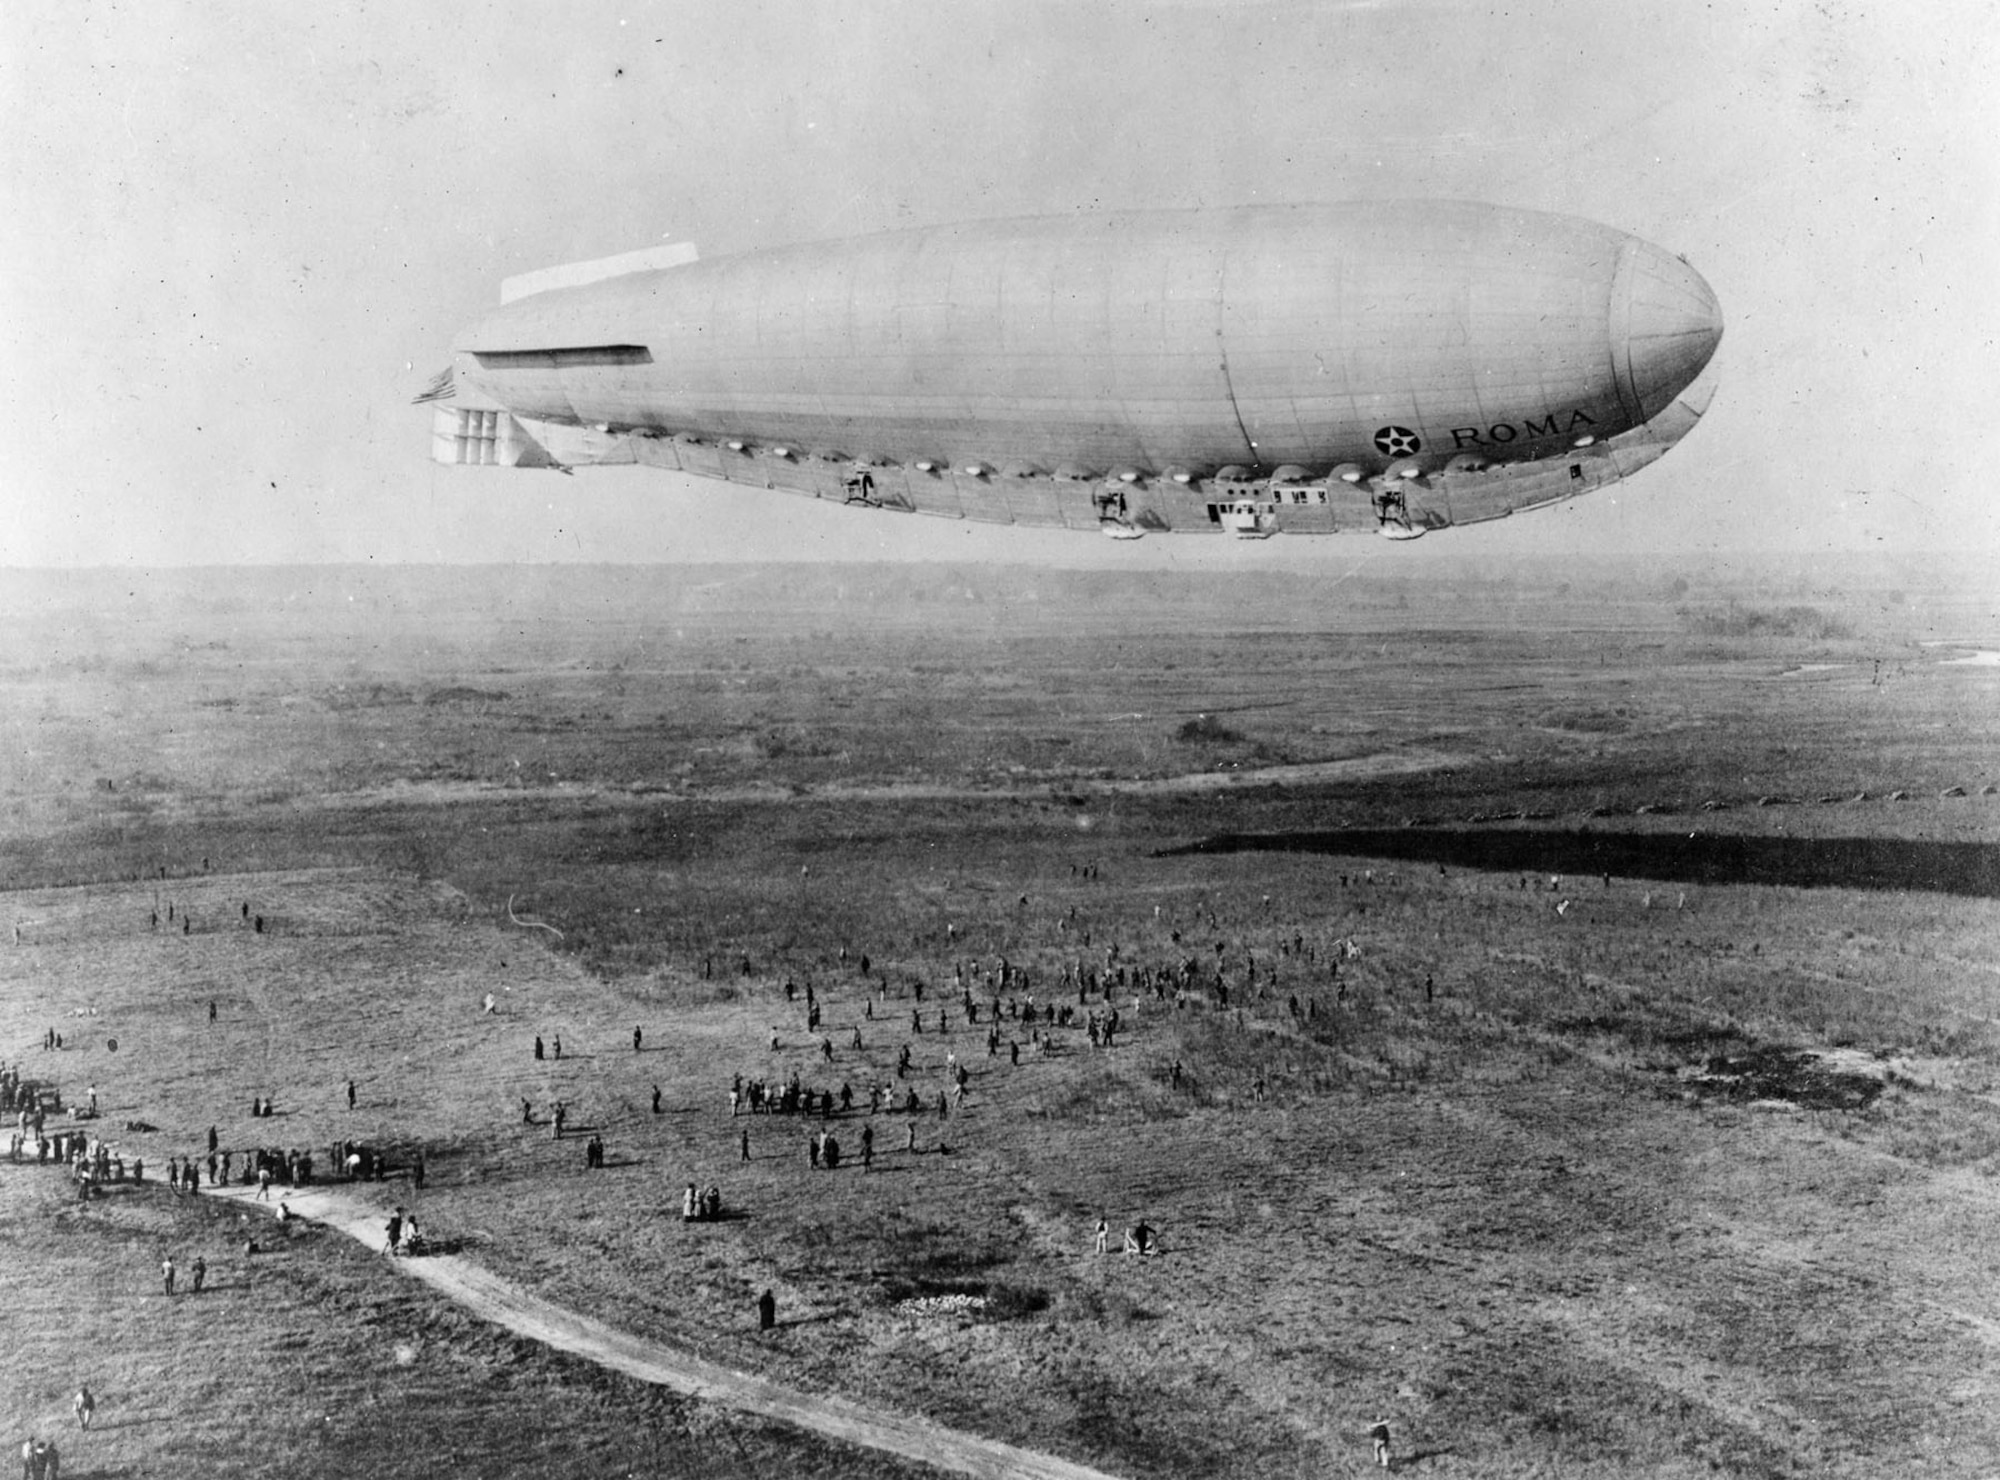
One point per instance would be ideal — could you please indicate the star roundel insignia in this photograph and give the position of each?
(1397, 442)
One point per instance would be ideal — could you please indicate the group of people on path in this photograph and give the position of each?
(403, 1236)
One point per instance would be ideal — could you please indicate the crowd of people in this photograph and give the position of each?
(1088, 997)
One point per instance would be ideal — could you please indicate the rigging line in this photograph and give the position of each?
(1222, 359)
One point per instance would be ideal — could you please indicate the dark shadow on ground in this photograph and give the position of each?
(807, 1320)
(1418, 1456)
(1672, 857)
(434, 1247)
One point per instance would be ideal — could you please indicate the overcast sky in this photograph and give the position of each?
(239, 237)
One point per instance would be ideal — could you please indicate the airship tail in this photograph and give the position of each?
(598, 270)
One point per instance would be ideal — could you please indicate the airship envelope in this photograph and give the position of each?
(1395, 367)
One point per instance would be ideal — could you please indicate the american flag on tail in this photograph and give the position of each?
(441, 388)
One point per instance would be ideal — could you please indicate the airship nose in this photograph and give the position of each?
(1665, 325)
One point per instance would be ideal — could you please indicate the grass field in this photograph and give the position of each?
(1583, 1207)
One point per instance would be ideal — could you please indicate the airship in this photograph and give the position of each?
(1383, 367)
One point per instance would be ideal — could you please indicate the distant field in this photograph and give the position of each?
(1676, 1171)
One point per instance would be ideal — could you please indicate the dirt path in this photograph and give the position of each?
(507, 1304)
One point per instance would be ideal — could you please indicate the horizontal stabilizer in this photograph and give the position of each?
(576, 274)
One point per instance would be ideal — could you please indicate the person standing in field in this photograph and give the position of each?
(85, 1407)
(1380, 1435)
(200, 1271)
(167, 1273)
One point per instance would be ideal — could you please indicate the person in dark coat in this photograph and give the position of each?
(767, 1311)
